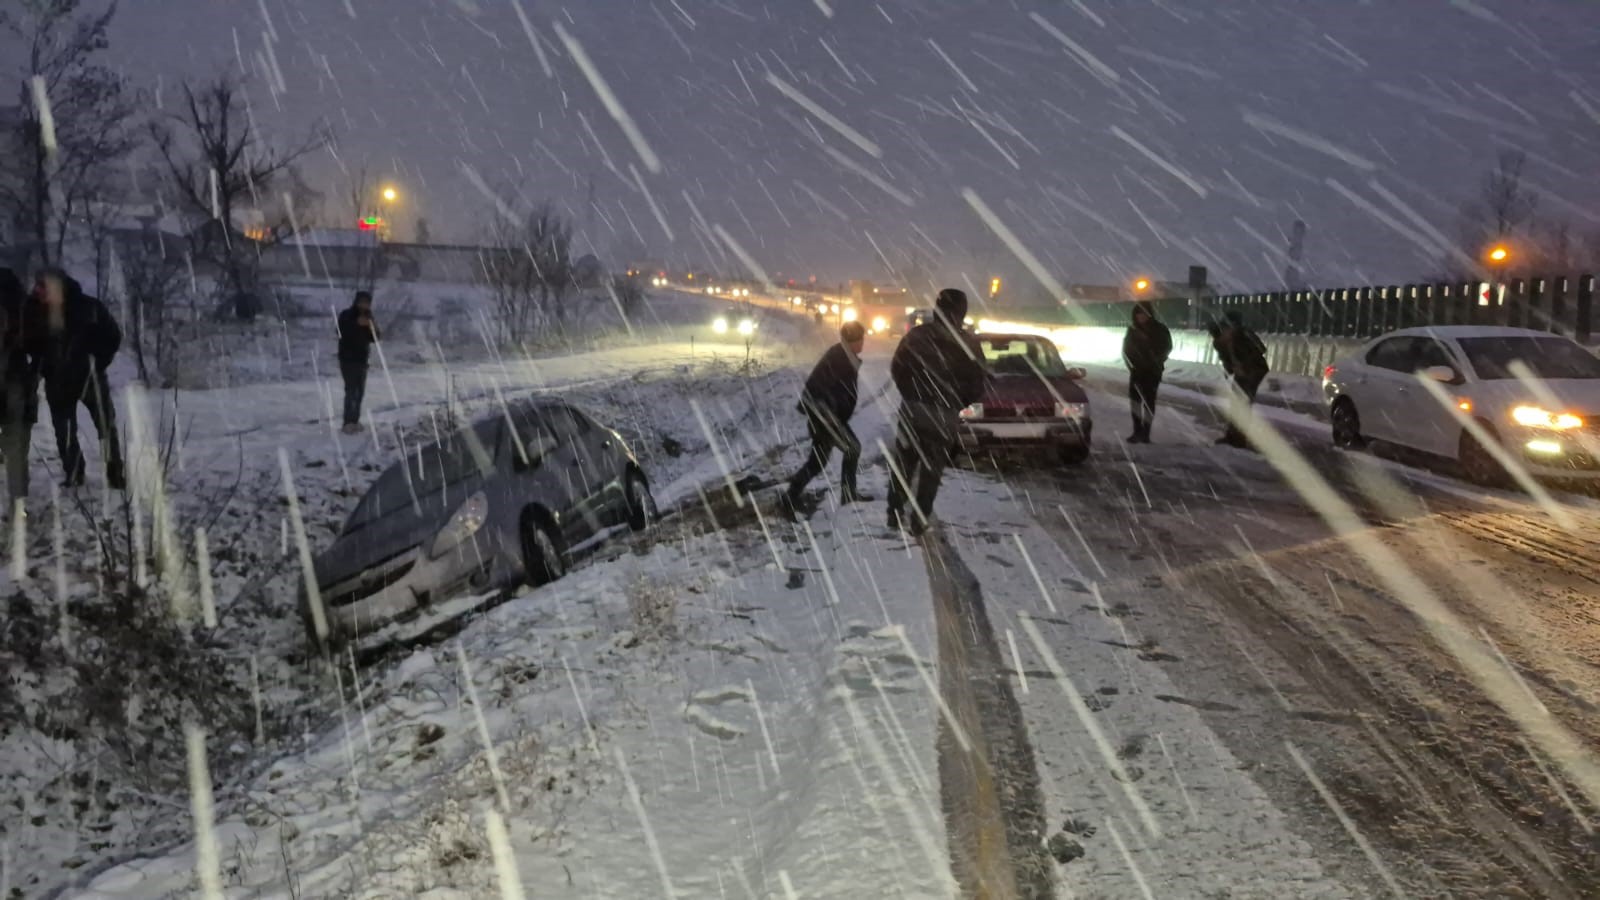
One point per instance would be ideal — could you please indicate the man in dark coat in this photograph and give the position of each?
(828, 401)
(19, 385)
(1145, 349)
(1244, 358)
(357, 334)
(75, 338)
(938, 370)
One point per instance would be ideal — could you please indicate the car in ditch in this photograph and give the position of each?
(1534, 394)
(1033, 401)
(512, 498)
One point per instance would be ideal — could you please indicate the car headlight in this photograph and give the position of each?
(719, 325)
(975, 411)
(850, 314)
(1538, 417)
(464, 524)
(879, 323)
(1071, 410)
(747, 327)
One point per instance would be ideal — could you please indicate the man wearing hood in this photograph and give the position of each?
(1244, 358)
(19, 385)
(357, 334)
(828, 401)
(75, 339)
(1145, 349)
(938, 370)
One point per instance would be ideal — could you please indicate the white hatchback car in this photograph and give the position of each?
(1548, 419)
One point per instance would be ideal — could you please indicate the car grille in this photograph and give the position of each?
(1019, 412)
(371, 580)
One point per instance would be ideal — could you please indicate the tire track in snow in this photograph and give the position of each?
(994, 810)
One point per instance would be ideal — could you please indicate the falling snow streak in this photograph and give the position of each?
(1165, 166)
(1078, 51)
(1306, 139)
(1009, 238)
(827, 118)
(613, 106)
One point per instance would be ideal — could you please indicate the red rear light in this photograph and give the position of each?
(1328, 372)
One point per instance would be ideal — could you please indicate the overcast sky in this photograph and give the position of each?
(1112, 138)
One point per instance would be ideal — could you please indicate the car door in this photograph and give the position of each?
(603, 469)
(1386, 390)
(573, 463)
(1434, 427)
(539, 464)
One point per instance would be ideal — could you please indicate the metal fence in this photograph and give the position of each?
(1559, 304)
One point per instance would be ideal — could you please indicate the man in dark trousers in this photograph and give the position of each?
(938, 370)
(1145, 349)
(75, 339)
(357, 334)
(19, 385)
(828, 401)
(1244, 357)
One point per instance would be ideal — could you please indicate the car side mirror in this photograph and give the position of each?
(532, 454)
(1077, 373)
(1442, 374)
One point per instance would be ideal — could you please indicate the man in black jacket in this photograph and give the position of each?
(828, 401)
(1145, 349)
(938, 370)
(75, 338)
(19, 385)
(1244, 358)
(357, 334)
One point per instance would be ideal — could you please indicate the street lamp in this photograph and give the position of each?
(1142, 285)
(1499, 255)
(390, 195)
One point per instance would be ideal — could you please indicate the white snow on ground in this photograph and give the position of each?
(776, 725)
(1158, 804)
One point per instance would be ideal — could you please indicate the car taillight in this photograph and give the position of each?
(975, 411)
(1328, 372)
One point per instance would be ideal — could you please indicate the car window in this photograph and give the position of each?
(428, 468)
(1546, 357)
(1397, 354)
(1022, 357)
(1432, 353)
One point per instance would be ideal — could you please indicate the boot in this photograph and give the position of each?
(852, 494)
(786, 506)
(893, 523)
(352, 428)
(116, 479)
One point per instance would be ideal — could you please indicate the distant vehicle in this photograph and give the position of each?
(511, 498)
(1033, 401)
(916, 317)
(1549, 424)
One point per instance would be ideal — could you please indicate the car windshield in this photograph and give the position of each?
(1015, 356)
(427, 469)
(1546, 357)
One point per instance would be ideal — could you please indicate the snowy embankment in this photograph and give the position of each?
(100, 679)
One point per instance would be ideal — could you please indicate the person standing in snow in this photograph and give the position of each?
(1244, 358)
(357, 334)
(1145, 349)
(19, 385)
(828, 401)
(938, 370)
(75, 339)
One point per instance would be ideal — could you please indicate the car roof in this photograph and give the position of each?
(998, 336)
(1468, 331)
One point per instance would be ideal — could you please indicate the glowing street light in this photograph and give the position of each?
(1499, 254)
(1142, 285)
(390, 195)
(994, 287)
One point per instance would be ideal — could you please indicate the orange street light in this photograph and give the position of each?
(1499, 254)
(1142, 285)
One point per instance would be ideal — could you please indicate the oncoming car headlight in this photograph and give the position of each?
(747, 327)
(1538, 417)
(463, 525)
(879, 323)
(719, 325)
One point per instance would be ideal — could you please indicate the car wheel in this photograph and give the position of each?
(641, 506)
(1477, 464)
(541, 555)
(1075, 454)
(1346, 425)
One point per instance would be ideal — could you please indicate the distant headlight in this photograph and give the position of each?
(719, 325)
(880, 324)
(747, 327)
(850, 314)
(1071, 410)
(975, 411)
(1536, 417)
(463, 525)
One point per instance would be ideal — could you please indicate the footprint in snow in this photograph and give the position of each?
(701, 711)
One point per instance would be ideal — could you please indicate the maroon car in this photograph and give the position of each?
(1033, 401)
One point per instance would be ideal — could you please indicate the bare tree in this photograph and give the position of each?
(75, 123)
(221, 166)
(152, 275)
(528, 266)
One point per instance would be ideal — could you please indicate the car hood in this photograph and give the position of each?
(1576, 395)
(1032, 390)
(398, 530)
